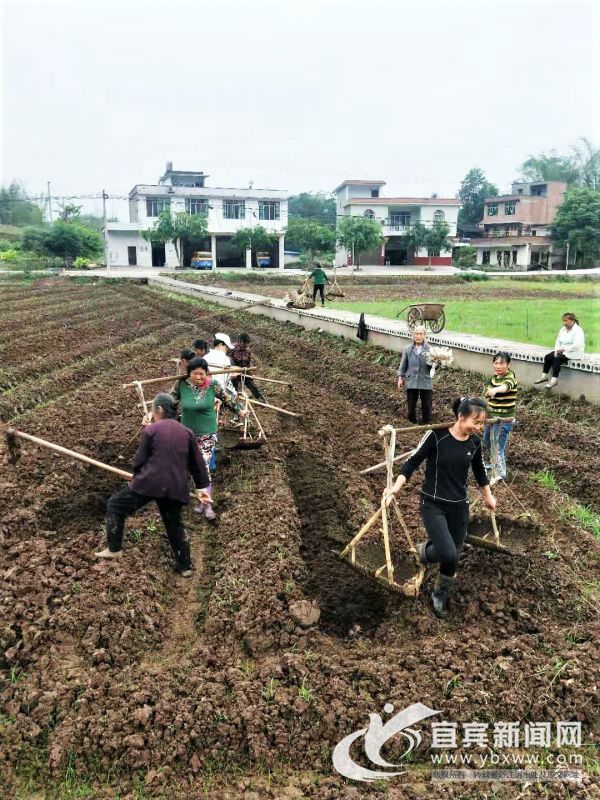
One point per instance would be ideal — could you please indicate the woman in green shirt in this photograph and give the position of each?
(197, 395)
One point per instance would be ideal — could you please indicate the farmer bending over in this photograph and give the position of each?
(449, 453)
(166, 455)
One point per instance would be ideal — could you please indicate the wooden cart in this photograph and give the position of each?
(431, 315)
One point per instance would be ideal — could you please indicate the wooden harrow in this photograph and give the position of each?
(385, 574)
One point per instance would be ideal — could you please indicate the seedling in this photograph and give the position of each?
(305, 692)
(268, 691)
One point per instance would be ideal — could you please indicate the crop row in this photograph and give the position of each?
(69, 342)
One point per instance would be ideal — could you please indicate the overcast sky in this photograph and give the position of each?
(292, 94)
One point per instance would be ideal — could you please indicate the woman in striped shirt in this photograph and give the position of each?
(501, 394)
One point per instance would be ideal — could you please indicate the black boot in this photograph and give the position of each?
(421, 549)
(439, 596)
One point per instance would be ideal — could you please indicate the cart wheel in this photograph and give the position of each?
(437, 325)
(413, 318)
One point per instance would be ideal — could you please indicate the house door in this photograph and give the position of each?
(132, 255)
(158, 255)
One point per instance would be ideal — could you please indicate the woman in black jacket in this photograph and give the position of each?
(450, 453)
(166, 456)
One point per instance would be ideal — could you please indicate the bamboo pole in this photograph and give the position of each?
(140, 394)
(365, 528)
(275, 408)
(441, 425)
(225, 370)
(256, 419)
(73, 454)
(383, 463)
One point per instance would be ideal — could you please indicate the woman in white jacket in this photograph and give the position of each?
(570, 343)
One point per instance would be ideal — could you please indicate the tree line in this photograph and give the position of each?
(312, 227)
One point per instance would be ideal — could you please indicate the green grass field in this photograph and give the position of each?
(531, 321)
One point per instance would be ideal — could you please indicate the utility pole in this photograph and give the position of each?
(105, 232)
(49, 204)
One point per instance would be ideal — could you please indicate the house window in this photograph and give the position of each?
(156, 205)
(499, 257)
(374, 192)
(439, 216)
(538, 191)
(534, 232)
(514, 257)
(507, 258)
(401, 218)
(268, 209)
(369, 213)
(195, 205)
(485, 257)
(492, 211)
(234, 209)
(510, 208)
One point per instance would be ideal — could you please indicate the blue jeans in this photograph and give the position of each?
(498, 433)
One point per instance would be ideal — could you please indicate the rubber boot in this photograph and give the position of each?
(208, 510)
(184, 560)
(421, 549)
(439, 596)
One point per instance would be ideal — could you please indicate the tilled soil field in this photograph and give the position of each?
(124, 680)
(402, 287)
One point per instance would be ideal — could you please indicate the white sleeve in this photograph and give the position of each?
(577, 345)
(558, 339)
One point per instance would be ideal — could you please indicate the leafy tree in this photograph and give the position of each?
(33, 239)
(579, 168)
(550, 167)
(317, 206)
(359, 234)
(587, 158)
(466, 256)
(94, 222)
(577, 222)
(311, 237)
(255, 239)
(69, 212)
(416, 237)
(68, 240)
(473, 190)
(436, 239)
(169, 228)
(16, 208)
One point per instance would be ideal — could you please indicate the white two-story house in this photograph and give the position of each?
(228, 210)
(396, 215)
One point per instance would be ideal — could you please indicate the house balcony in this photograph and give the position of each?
(394, 229)
(510, 241)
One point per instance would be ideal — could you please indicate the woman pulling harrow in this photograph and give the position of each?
(449, 454)
(197, 395)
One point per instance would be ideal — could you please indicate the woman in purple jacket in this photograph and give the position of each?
(166, 456)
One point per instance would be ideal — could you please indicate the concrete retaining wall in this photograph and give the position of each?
(471, 352)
